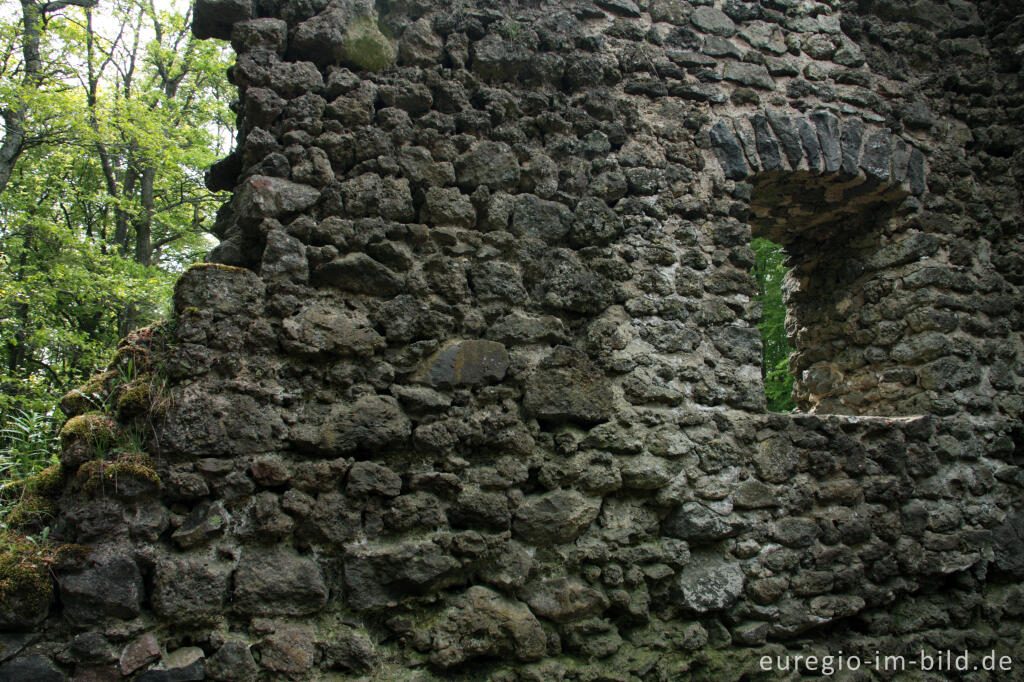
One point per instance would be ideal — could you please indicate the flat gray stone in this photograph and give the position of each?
(466, 363)
(744, 73)
(626, 8)
(767, 145)
(915, 172)
(359, 273)
(713, 21)
(728, 150)
(827, 126)
(850, 140)
(875, 161)
(809, 141)
(278, 583)
(789, 137)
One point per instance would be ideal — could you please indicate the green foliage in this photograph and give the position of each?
(769, 271)
(106, 204)
(27, 445)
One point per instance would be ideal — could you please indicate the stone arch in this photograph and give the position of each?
(828, 190)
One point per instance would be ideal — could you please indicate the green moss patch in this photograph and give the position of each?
(47, 484)
(30, 512)
(217, 266)
(130, 475)
(89, 396)
(26, 589)
(135, 398)
(94, 428)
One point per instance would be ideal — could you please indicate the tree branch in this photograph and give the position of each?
(54, 6)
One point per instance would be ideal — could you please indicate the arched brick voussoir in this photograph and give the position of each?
(821, 142)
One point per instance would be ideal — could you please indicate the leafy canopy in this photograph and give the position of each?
(105, 203)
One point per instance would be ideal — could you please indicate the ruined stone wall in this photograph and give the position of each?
(471, 388)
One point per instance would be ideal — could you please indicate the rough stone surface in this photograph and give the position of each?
(370, 423)
(567, 387)
(233, 662)
(138, 653)
(563, 600)
(187, 591)
(33, 668)
(483, 623)
(108, 586)
(278, 583)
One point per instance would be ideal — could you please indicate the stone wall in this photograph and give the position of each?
(471, 388)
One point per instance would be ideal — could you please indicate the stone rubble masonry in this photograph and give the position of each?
(471, 387)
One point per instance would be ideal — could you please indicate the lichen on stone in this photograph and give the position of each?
(367, 47)
(216, 266)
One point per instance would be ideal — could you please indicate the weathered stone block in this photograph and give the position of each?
(233, 662)
(710, 583)
(290, 649)
(555, 517)
(190, 590)
(277, 583)
(482, 623)
(796, 532)
(564, 600)
(108, 586)
(378, 575)
(365, 478)
(695, 522)
(214, 18)
(32, 668)
(714, 21)
(728, 150)
(370, 422)
(567, 387)
(549, 220)
(487, 163)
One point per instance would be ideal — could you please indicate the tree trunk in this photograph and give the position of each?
(15, 114)
(144, 224)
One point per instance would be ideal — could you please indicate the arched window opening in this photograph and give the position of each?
(860, 263)
(819, 240)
